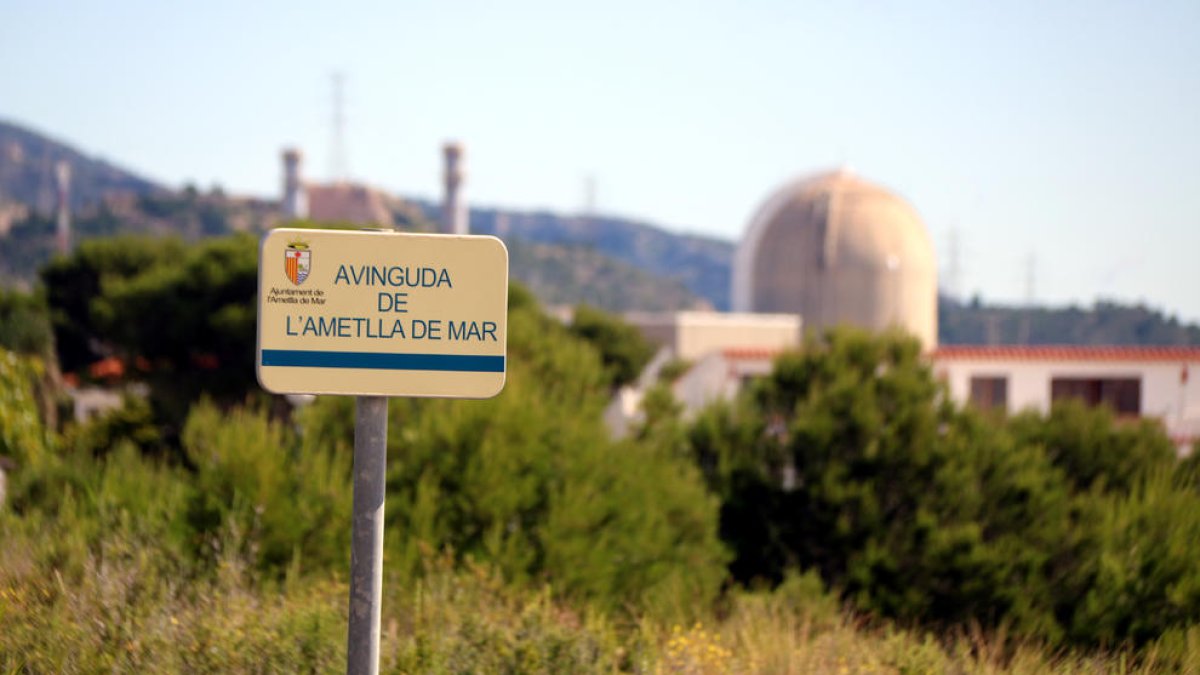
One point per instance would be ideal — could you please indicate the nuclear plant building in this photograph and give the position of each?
(837, 249)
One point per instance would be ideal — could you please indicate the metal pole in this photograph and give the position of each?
(366, 543)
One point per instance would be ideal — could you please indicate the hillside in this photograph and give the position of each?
(1105, 323)
(28, 242)
(27, 161)
(570, 274)
(701, 264)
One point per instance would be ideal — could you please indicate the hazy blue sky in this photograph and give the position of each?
(1066, 130)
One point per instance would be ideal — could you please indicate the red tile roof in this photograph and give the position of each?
(109, 368)
(1021, 353)
(750, 353)
(1065, 353)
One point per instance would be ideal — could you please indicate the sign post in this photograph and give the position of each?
(366, 539)
(374, 315)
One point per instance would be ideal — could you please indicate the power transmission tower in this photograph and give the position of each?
(1026, 326)
(589, 210)
(1030, 278)
(589, 195)
(954, 266)
(338, 168)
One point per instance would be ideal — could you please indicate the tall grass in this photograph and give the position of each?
(124, 603)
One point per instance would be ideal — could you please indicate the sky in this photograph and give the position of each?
(1057, 143)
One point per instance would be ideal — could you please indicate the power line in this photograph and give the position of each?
(1030, 278)
(338, 164)
(589, 195)
(954, 265)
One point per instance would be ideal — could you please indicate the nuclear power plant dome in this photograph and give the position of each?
(837, 249)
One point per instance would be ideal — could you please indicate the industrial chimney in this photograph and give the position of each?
(62, 175)
(295, 203)
(454, 207)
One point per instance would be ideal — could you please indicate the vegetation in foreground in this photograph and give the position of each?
(841, 517)
(122, 603)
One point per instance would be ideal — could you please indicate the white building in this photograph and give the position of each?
(692, 335)
(719, 352)
(1161, 383)
(1157, 382)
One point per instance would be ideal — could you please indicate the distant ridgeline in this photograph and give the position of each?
(699, 264)
(27, 161)
(611, 263)
(1106, 323)
(105, 200)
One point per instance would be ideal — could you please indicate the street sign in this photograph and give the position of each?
(367, 313)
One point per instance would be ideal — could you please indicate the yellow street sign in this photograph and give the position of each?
(382, 313)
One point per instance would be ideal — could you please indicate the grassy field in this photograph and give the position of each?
(120, 603)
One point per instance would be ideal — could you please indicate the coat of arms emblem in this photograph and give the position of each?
(297, 262)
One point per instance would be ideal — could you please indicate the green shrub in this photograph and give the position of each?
(182, 313)
(133, 422)
(25, 324)
(23, 437)
(470, 621)
(622, 348)
(1093, 449)
(848, 460)
(73, 283)
(1139, 580)
(123, 605)
(290, 497)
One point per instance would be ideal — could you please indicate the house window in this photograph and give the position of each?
(1122, 394)
(989, 392)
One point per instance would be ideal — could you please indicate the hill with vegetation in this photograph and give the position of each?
(701, 264)
(27, 166)
(569, 274)
(29, 244)
(1104, 323)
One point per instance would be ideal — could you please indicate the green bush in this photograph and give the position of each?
(1093, 449)
(133, 422)
(124, 604)
(23, 437)
(622, 348)
(1139, 580)
(848, 459)
(74, 282)
(25, 324)
(182, 314)
(290, 498)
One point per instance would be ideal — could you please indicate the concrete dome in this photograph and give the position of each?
(837, 249)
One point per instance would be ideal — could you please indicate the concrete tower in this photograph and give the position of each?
(62, 179)
(454, 206)
(837, 249)
(295, 201)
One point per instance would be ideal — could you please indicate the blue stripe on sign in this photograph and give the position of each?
(461, 363)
